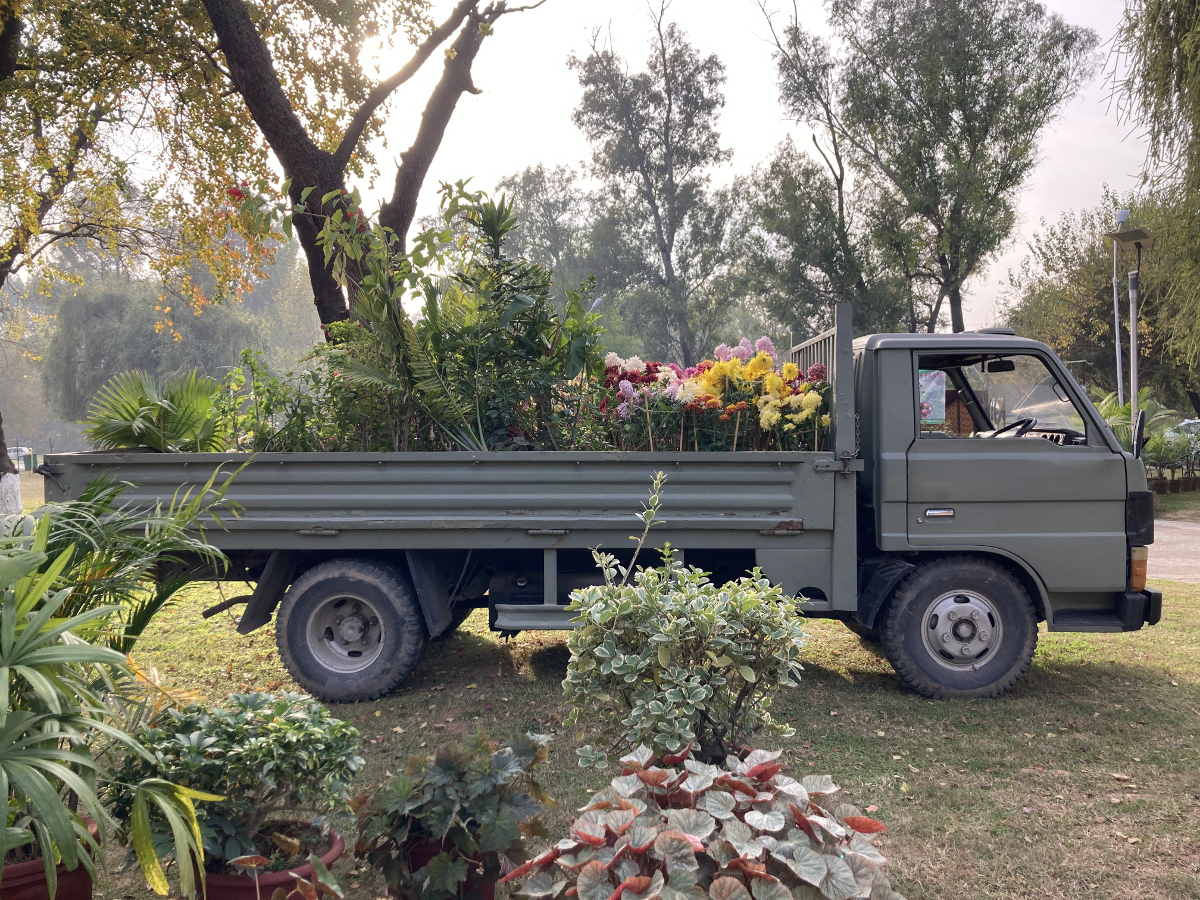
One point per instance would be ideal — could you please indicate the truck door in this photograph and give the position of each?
(1005, 457)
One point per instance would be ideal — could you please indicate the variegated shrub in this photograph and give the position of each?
(669, 659)
(703, 832)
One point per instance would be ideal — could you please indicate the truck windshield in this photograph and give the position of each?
(995, 396)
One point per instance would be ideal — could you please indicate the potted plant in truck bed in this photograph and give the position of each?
(452, 823)
(56, 729)
(283, 763)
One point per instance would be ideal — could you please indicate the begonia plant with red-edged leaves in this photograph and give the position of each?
(687, 830)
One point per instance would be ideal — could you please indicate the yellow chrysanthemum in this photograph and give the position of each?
(825, 420)
(760, 365)
(811, 401)
(773, 384)
(791, 371)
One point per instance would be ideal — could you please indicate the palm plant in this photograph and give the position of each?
(129, 559)
(133, 410)
(55, 728)
(1119, 418)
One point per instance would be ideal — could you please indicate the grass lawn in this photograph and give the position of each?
(1084, 781)
(32, 492)
(1178, 506)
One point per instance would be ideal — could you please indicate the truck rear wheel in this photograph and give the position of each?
(350, 629)
(960, 628)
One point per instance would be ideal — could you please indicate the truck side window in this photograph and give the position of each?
(995, 396)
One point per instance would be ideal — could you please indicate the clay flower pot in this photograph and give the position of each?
(27, 880)
(424, 852)
(1175, 485)
(1158, 485)
(242, 887)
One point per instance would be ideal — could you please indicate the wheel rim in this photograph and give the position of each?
(962, 630)
(345, 633)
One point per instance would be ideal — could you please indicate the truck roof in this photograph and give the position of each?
(965, 340)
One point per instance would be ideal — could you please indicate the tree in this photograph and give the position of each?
(939, 104)
(1156, 75)
(664, 239)
(810, 247)
(1063, 296)
(318, 145)
(552, 212)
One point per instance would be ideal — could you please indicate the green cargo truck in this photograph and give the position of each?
(971, 491)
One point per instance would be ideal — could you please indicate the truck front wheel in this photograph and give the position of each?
(350, 629)
(960, 627)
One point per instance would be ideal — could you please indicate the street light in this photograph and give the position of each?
(1122, 218)
(1134, 239)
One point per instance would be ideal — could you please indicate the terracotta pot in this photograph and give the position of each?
(1189, 483)
(1175, 485)
(27, 880)
(1158, 485)
(241, 887)
(423, 853)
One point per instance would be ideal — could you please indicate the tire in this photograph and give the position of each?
(380, 632)
(869, 635)
(987, 616)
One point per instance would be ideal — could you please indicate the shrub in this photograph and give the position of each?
(711, 832)
(673, 660)
(466, 808)
(56, 730)
(272, 756)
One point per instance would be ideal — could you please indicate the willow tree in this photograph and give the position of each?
(1156, 71)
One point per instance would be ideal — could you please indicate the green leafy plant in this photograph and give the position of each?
(56, 728)
(1119, 418)
(451, 821)
(133, 410)
(744, 831)
(279, 759)
(672, 660)
(132, 558)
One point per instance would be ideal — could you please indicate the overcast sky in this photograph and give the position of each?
(523, 116)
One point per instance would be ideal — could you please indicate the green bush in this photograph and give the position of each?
(467, 807)
(712, 833)
(276, 758)
(59, 725)
(672, 659)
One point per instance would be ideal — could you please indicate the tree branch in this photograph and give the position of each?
(383, 90)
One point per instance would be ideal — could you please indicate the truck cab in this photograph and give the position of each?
(992, 496)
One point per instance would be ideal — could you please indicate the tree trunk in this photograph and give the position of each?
(10, 481)
(954, 295)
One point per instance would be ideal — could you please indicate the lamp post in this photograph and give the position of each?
(1138, 239)
(1122, 218)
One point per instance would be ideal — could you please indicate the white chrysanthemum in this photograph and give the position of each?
(612, 359)
(666, 376)
(687, 392)
(634, 364)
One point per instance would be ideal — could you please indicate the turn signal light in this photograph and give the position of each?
(1138, 557)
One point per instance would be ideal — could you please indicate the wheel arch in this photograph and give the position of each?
(284, 567)
(1020, 569)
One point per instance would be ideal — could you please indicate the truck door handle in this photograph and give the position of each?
(946, 513)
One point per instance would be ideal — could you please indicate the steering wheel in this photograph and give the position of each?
(1022, 426)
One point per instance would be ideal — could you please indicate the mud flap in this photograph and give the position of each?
(432, 591)
(276, 576)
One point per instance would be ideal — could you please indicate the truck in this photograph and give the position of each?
(968, 491)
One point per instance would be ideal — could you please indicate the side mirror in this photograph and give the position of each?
(1139, 431)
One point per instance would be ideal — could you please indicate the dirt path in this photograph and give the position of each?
(1175, 555)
